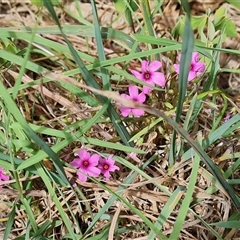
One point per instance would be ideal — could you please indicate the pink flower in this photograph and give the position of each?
(3, 177)
(86, 164)
(150, 75)
(135, 96)
(228, 116)
(106, 165)
(196, 67)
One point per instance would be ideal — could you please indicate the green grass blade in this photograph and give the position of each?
(167, 209)
(120, 189)
(100, 49)
(85, 31)
(188, 197)
(227, 224)
(214, 232)
(130, 206)
(55, 199)
(43, 228)
(154, 228)
(123, 133)
(69, 138)
(30, 214)
(144, 4)
(186, 55)
(13, 109)
(22, 69)
(198, 149)
(217, 134)
(10, 222)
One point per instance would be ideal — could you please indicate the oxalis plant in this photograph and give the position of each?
(121, 148)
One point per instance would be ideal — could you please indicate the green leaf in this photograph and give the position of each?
(197, 20)
(219, 15)
(211, 30)
(202, 24)
(120, 5)
(178, 29)
(234, 3)
(231, 30)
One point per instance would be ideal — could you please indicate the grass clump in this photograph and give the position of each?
(117, 131)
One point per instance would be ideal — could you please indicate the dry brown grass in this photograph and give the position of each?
(142, 194)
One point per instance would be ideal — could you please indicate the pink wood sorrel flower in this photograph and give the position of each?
(3, 177)
(86, 164)
(107, 165)
(150, 75)
(196, 67)
(135, 96)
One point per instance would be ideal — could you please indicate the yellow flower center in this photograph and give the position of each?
(106, 167)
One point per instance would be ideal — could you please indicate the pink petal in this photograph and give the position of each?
(195, 57)
(159, 79)
(141, 98)
(137, 112)
(125, 111)
(125, 96)
(133, 155)
(109, 161)
(191, 75)
(149, 81)
(106, 174)
(93, 171)
(137, 74)
(4, 177)
(93, 160)
(76, 162)
(82, 153)
(144, 66)
(110, 158)
(147, 90)
(154, 66)
(179, 57)
(176, 68)
(198, 67)
(82, 177)
(113, 168)
(133, 91)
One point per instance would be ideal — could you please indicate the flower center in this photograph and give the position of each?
(106, 166)
(85, 163)
(190, 67)
(147, 75)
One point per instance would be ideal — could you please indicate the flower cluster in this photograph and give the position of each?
(93, 165)
(3, 177)
(196, 67)
(150, 75)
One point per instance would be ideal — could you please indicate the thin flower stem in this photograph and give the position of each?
(147, 18)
